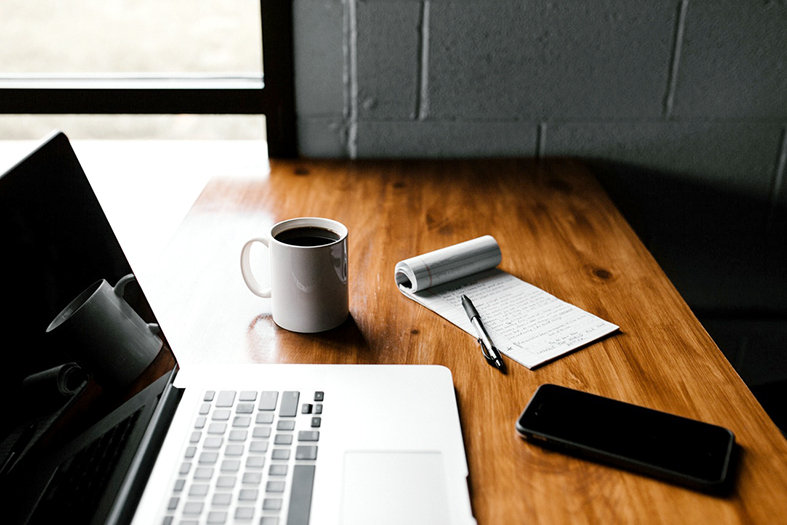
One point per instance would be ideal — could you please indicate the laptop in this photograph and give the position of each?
(264, 444)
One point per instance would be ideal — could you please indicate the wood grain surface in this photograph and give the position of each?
(559, 231)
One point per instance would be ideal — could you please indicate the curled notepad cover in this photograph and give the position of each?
(447, 264)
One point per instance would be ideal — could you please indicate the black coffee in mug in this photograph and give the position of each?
(307, 236)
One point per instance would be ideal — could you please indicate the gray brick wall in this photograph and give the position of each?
(680, 105)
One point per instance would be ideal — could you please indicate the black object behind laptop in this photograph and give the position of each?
(56, 240)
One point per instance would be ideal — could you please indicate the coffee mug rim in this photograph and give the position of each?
(81, 299)
(301, 222)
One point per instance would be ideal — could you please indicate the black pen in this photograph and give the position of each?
(487, 347)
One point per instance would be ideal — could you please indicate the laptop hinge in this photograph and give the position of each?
(141, 466)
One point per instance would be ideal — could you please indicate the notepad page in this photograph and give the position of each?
(526, 323)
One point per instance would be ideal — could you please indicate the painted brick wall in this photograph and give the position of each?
(679, 105)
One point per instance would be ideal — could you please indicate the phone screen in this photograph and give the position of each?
(664, 445)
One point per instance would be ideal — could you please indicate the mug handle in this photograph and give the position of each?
(120, 287)
(246, 272)
(120, 290)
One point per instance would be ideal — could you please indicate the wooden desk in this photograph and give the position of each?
(559, 231)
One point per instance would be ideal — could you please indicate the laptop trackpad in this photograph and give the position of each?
(394, 488)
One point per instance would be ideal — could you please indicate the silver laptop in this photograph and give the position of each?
(261, 444)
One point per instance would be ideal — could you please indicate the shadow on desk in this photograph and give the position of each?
(725, 249)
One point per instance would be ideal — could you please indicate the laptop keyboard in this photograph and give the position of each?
(250, 459)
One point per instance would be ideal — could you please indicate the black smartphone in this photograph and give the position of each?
(651, 442)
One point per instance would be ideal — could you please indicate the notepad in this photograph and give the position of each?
(526, 323)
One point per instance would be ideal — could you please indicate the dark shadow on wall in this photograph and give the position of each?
(726, 253)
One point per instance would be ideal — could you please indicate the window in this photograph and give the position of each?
(69, 60)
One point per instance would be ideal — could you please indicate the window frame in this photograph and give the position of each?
(270, 94)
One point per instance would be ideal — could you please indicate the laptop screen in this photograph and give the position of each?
(56, 244)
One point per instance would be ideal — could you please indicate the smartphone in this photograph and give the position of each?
(662, 445)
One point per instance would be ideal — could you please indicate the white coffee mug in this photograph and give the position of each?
(106, 336)
(308, 273)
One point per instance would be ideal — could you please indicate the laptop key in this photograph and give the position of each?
(222, 499)
(258, 447)
(217, 428)
(235, 449)
(255, 462)
(230, 465)
(308, 452)
(213, 442)
(226, 399)
(244, 408)
(289, 404)
(221, 414)
(217, 517)
(252, 478)
(274, 486)
(281, 453)
(199, 489)
(208, 458)
(264, 418)
(268, 400)
(248, 395)
(272, 504)
(225, 482)
(241, 422)
(261, 432)
(203, 473)
(193, 507)
(285, 424)
(238, 435)
(278, 470)
(248, 494)
(301, 495)
(283, 439)
(309, 435)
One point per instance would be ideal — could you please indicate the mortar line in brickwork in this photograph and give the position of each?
(677, 46)
(541, 137)
(778, 182)
(351, 42)
(422, 98)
